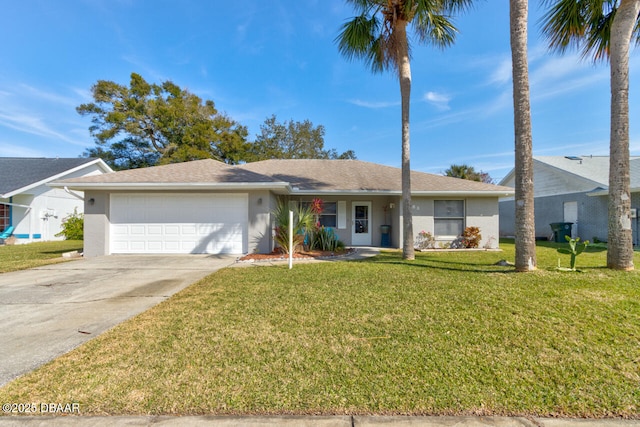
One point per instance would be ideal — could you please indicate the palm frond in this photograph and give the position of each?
(564, 24)
(435, 29)
(582, 24)
(360, 38)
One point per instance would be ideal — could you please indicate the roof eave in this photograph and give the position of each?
(429, 193)
(136, 186)
(605, 192)
(48, 181)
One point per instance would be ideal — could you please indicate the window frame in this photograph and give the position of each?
(324, 215)
(436, 218)
(5, 216)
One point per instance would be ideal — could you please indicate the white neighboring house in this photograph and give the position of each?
(29, 205)
(571, 189)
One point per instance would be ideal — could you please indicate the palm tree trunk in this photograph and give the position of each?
(620, 238)
(525, 232)
(404, 71)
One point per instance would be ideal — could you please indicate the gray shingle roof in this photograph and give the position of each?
(17, 173)
(301, 175)
(356, 175)
(197, 171)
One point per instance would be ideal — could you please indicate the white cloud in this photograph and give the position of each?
(439, 100)
(502, 73)
(12, 150)
(373, 105)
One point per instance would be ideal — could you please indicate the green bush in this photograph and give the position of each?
(325, 239)
(73, 226)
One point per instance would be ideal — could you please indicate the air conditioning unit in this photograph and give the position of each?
(634, 212)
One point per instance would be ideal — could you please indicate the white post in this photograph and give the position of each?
(290, 240)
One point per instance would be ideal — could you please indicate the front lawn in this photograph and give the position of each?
(21, 257)
(450, 333)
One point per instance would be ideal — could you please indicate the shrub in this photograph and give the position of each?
(425, 240)
(302, 222)
(72, 226)
(471, 237)
(325, 239)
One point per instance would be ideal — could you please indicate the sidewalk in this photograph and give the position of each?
(312, 421)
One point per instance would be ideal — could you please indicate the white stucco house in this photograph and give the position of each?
(31, 210)
(206, 206)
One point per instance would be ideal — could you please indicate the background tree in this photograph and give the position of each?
(468, 172)
(158, 124)
(378, 35)
(292, 140)
(605, 29)
(525, 233)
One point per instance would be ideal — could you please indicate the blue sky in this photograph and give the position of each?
(258, 58)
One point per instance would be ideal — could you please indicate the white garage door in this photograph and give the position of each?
(179, 223)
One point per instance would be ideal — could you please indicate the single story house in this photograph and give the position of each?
(206, 206)
(28, 206)
(571, 189)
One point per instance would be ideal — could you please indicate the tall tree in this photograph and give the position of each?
(468, 172)
(378, 35)
(605, 29)
(158, 124)
(292, 140)
(525, 233)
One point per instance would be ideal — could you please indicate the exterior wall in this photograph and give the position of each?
(381, 214)
(260, 207)
(549, 181)
(592, 215)
(481, 212)
(96, 223)
(49, 207)
(385, 210)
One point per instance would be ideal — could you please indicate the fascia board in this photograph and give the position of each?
(399, 193)
(605, 192)
(57, 176)
(171, 186)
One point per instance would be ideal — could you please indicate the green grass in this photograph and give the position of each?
(450, 333)
(20, 257)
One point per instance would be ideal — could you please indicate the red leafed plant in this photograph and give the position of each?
(317, 206)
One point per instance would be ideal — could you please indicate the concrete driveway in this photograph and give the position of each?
(47, 311)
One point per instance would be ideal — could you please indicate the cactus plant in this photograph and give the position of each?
(575, 249)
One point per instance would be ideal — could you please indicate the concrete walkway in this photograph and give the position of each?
(48, 311)
(312, 421)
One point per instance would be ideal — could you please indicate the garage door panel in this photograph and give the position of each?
(166, 223)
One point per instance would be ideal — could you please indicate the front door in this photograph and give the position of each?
(361, 224)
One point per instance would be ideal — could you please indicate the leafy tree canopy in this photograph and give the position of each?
(468, 172)
(147, 124)
(292, 140)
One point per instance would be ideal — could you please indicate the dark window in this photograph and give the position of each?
(448, 217)
(4, 216)
(329, 216)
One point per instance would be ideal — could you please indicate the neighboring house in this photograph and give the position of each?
(571, 189)
(29, 205)
(206, 206)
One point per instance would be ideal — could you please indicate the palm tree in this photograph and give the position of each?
(525, 232)
(604, 29)
(378, 35)
(465, 171)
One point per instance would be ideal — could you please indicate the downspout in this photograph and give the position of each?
(77, 196)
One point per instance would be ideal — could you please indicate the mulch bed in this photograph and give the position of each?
(277, 255)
